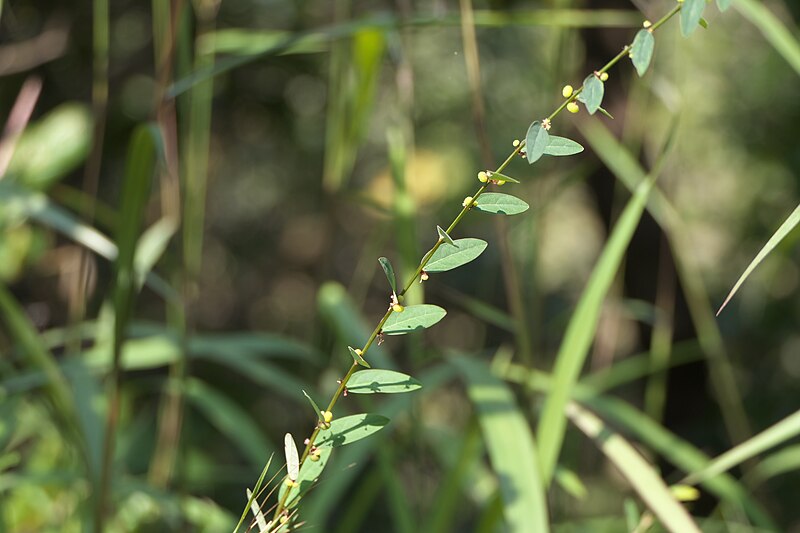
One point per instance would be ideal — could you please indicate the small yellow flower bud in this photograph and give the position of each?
(397, 308)
(500, 183)
(483, 177)
(289, 483)
(604, 76)
(358, 351)
(646, 24)
(327, 416)
(424, 276)
(515, 143)
(572, 107)
(313, 457)
(467, 201)
(567, 91)
(284, 519)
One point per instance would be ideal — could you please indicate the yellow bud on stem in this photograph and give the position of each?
(567, 91)
(397, 308)
(572, 107)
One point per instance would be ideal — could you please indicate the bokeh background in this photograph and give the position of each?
(304, 139)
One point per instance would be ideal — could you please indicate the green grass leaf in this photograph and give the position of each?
(592, 93)
(445, 237)
(511, 447)
(788, 225)
(450, 257)
(383, 381)
(639, 473)
(500, 204)
(536, 141)
(691, 12)
(413, 318)
(642, 51)
(561, 146)
(582, 327)
(230, 419)
(350, 429)
(386, 265)
(775, 435)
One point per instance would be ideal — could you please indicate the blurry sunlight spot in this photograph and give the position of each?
(306, 95)
(790, 357)
(304, 240)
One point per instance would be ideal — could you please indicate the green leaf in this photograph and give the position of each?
(230, 419)
(314, 405)
(445, 237)
(413, 317)
(500, 204)
(639, 473)
(592, 93)
(501, 177)
(723, 4)
(152, 244)
(349, 429)
(511, 447)
(389, 271)
(787, 226)
(449, 257)
(773, 29)
(308, 474)
(691, 12)
(562, 146)
(703, 22)
(606, 113)
(582, 327)
(536, 141)
(251, 496)
(777, 434)
(383, 381)
(642, 51)
(357, 358)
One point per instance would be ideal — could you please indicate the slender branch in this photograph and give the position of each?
(375, 332)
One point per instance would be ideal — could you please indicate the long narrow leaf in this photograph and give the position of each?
(581, 330)
(639, 473)
(787, 226)
(511, 447)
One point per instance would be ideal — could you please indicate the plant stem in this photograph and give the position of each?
(375, 332)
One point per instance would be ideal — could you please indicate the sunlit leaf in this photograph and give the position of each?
(592, 93)
(382, 381)
(640, 474)
(562, 146)
(414, 317)
(502, 177)
(389, 271)
(308, 474)
(536, 141)
(261, 522)
(787, 226)
(357, 357)
(642, 51)
(445, 237)
(450, 257)
(691, 12)
(292, 459)
(501, 204)
(349, 429)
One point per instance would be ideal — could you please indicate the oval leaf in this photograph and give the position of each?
(691, 12)
(444, 236)
(389, 271)
(592, 93)
(383, 381)
(292, 459)
(642, 51)
(357, 358)
(449, 257)
(500, 204)
(536, 141)
(414, 317)
(350, 429)
(562, 146)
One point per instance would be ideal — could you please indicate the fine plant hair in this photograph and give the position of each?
(303, 469)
